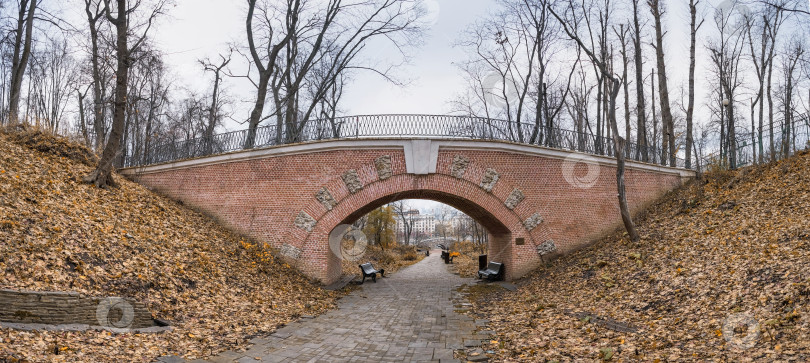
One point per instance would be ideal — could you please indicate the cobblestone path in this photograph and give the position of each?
(406, 317)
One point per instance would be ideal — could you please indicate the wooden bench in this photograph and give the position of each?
(493, 272)
(369, 271)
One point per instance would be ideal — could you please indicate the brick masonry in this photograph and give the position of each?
(270, 194)
(57, 308)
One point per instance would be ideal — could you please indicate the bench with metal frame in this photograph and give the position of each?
(493, 272)
(369, 271)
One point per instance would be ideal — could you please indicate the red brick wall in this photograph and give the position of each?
(262, 197)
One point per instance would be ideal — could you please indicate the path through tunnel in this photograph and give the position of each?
(450, 226)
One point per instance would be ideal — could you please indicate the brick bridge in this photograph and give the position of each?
(531, 199)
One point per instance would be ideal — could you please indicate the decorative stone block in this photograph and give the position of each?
(459, 166)
(383, 165)
(290, 251)
(305, 221)
(514, 198)
(490, 179)
(326, 199)
(352, 181)
(546, 247)
(66, 308)
(533, 221)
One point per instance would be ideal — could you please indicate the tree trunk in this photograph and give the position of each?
(769, 94)
(22, 51)
(99, 111)
(641, 113)
(82, 120)
(655, 122)
(667, 123)
(256, 114)
(625, 61)
(213, 111)
(618, 144)
(730, 130)
(690, 109)
(102, 176)
(761, 70)
(723, 138)
(266, 70)
(617, 140)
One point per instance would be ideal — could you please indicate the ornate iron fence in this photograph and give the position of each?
(798, 139)
(393, 126)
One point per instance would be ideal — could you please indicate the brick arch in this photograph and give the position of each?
(503, 224)
(292, 196)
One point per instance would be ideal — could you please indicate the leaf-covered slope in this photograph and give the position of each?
(735, 245)
(57, 233)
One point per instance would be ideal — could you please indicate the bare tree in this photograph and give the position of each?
(694, 26)
(544, 34)
(94, 10)
(641, 114)
(575, 15)
(22, 50)
(667, 123)
(294, 40)
(53, 74)
(124, 22)
(726, 55)
(215, 109)
(577, 106)
(654, 115)
(502, 68)
(82, 121)
(790, 61)
(148, 98)
(773, 18)
(512, 71)
(328, 106)
(271, 46)
(403, 213)
(791, 6)
(762, 28)
(622, 34)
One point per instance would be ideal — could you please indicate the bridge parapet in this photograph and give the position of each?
(394, 126)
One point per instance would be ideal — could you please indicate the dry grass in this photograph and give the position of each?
(46, 143)
(391, 259)
(466, 263)
(734, 243)
(57, 233)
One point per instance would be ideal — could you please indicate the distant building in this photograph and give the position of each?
(422, 225)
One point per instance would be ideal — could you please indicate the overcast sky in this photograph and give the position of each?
(197, 29)
(204, 28)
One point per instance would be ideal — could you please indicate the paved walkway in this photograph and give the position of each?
(409, 316)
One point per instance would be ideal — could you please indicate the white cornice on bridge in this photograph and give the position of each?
(421, 155)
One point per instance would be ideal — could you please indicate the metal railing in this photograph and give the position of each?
(392, 126)
(799, 139)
